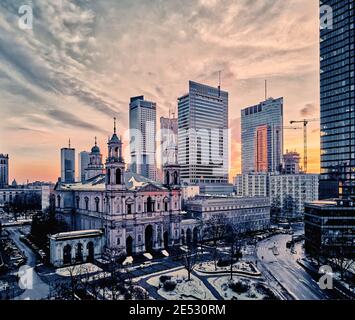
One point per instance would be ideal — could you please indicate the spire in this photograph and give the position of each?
(114, 125)
(95, 141)
(69, 143)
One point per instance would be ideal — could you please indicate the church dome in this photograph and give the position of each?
(95, 149)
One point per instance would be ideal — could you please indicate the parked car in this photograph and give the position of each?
(145, 265)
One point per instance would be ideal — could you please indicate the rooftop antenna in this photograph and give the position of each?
(114, 125)
(69, 143)
(219, 82)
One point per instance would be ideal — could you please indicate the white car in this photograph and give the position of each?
(145, 264)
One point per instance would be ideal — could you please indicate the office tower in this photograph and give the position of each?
(262, 136)
(337, 107)
(203, 135)
(4, 170)
(168, 139)
(67, 160)
(291, 162)
(142, 124)
(84, 160)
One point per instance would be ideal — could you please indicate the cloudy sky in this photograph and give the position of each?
(83, 60)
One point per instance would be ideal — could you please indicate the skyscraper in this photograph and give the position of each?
(203, 135)
(83, 163)
(67, 160)
(262, 136)
(169, 134)
(337, 103)
(142, 124)
(4, 170)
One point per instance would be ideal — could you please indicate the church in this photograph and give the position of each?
(136, 214)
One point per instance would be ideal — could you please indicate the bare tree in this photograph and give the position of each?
(190, 259)
(232, 236)
(215, 230)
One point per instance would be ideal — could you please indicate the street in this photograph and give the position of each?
(284, 267)
(35, 288)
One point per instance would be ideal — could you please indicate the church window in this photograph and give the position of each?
(118, 176)
(58, 201)
(86, 203)
(166, 207)
(118, 241)
(77, 202)
(108, 176)
(97, 202)
(129, 208)
(175, 177)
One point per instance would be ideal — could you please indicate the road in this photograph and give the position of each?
(284, 267)
(35, 288)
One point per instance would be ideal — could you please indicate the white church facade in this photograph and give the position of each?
(136, 214)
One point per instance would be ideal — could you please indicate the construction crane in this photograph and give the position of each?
(305, 143)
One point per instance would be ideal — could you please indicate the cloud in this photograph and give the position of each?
(308, 110)
(69, 119)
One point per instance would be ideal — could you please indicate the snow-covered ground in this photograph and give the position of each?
(78, 270)
(184, 290)
(243, 266)
(252, 290)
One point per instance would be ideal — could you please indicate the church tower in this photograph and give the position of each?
(95, 166)
(171, 169)
(115, 165)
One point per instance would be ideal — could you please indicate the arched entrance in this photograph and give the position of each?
(166, 240)
(79, 253)
(148, 239)
(195, 236)
(129, 245)
(67, 254)
(188, 237)
(91, 252)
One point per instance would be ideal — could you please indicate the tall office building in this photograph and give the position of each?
(168, 139)
(4, 170)
(67, 160)
(203, 135)
(142, 124)
(337, 107)
(262, 136)
(83, 163)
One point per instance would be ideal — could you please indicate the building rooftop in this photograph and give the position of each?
(134, 182)
(76, 234)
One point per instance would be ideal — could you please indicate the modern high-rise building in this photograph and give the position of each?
(4, 170)
(83, 163)
(168, 139)
(291, 162)
(203, 135)
(262, 136)
(142, 125)
(67, 160)
(337, 102)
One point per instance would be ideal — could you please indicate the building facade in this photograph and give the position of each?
(337, 107)
(95, 166)
(330, 228)
(262, 136)
(4, 170)
(67, 161)
(289, 193)
(83, 163)
(168, 139)
(203, 135)
(252, 185)
(248, 214)
(143, 128)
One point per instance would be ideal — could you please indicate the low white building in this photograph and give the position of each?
(250, 214)
(75, 247)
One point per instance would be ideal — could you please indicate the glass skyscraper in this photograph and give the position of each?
(142, 125)
(262, 136)
(203, 135)
(337, 100)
